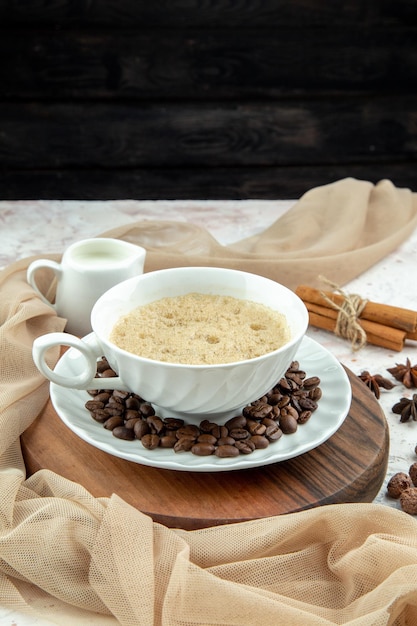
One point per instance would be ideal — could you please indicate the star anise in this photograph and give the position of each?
(406, 408)
(406, 374)
(375, 382)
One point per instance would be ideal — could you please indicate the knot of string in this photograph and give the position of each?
(347, 324)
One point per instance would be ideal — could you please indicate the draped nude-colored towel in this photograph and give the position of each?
(76, 559)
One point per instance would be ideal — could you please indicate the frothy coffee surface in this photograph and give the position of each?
(201, 329)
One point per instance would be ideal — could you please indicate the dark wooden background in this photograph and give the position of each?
(216, 99)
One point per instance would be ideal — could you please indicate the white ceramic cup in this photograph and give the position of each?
(216, 391)
(88, 269)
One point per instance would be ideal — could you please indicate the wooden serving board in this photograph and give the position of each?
(349, 467)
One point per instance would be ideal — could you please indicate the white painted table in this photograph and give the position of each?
(37, 227)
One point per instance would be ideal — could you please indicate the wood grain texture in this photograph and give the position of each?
(207, 135)
(300, 92)
(205, 13)
(220, 64)
(349, 467)
(174, 183)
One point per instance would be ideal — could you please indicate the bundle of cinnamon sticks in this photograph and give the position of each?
(385, 325)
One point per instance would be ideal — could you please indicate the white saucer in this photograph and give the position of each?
(324, 422)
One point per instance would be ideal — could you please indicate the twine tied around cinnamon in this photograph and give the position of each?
(347, 324)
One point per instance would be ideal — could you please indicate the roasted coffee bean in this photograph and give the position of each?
(146, 409)
(268, 422)
(184, 444)
(206, 426)
(294, 376)
(236, 422)
(121, 432)
(203, 449)
(288, 404)
(245, 446)
(273, 434)
(173, 423)
(255, 428)
(108, 373)
(133, 403)
(239, 433)
(114, 409)
(155, 423)
(275, 413)
(206, 438)
(288, 424)
(271, 429)
(150, 441)
(308, 403)
(188, 430)
(296, 403)
(102, 365)
(287, 385)
(100, 415)
(257, 411)
(304, 417)
(226, 451)
(141, 428)
(120, 395)
(311, 383)
(168, 441)
(274, 398)
(289, 410)
(130, 423)
(220, 431)
(132, 414)
(285, 400)
(113, 422)
(226, 441)
(259, 441)
(94, 405)
(103, 396)
(315, 394)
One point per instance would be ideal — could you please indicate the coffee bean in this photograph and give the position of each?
(146, 409)
(167, 441)
(259, 441)
(113, 422)
(173, 423)
(184, 444)
(203, 449)
(255, 428)
(188, 430)
(94, 405)
(121, 432)
(288, 424)
(245, 446)
(288, 404)
(226, 441)
(155, 423)
(206, 438)
(236, 422)
(311, 383)
(226, 451)
(150, 441)
(239, 433)
(141, 428)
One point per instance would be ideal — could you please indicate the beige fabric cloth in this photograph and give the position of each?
(76, 559)
(338, 230)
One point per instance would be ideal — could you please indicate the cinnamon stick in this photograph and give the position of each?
(390, 340)
(376, 334)
(385, 314)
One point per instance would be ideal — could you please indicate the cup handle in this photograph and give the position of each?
(91, 352)
(42, 264)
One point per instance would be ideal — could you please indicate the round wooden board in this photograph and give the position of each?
(349, 467)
